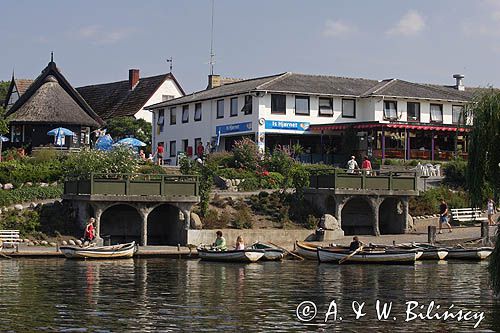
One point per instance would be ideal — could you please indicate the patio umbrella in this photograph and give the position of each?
(2, 140)
(131, 142)
(104, 143)
(59, 134)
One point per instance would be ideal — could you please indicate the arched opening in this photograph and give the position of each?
(121, 223)
(357, 217)
(391, 217)
(165, 226)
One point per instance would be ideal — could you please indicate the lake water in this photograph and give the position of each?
(170, 295)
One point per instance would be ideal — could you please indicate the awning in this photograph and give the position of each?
(328, 127)
(415, 127)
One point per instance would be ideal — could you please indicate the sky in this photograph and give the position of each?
(98, 41)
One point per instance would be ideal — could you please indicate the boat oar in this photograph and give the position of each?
(351, 255)
(5, 256)
(286, 251)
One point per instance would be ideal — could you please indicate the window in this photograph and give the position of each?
(197, 112)
(302, 105)
(220, 108)
(390, 110)
(17, 134)
(278, 104)
(173, 149)
(457, 113)
(161, 119)
(325, 107)
(166, 97)
(173, 116)
(85, 135)
(234, 107)
(247, 108)
(185, 144)
(437, 113)
(413, 111)
(348, 108)
(185, 113)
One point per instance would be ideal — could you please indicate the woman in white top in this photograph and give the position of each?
(239, 243)
(490, 208)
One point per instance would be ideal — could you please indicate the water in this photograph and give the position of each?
(171, 295)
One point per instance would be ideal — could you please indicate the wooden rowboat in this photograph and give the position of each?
(306, 250)
(478, 253)
(247, 255)
(368, 257)
(433, 254)
(100, 252)
(271, 253)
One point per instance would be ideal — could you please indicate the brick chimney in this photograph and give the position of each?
(133, 78)
(213, 81)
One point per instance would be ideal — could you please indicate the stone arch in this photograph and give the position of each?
(165, 226)
(392, 219)
(331, 205)
(357, 217)
(122, 223)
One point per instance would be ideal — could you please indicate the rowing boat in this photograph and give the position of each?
(306, 250)
(100, 252)
(433, 254)
(478, 253)
(247, 255)
(271, 253)
(368, 257)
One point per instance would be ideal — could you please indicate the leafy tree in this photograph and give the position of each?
(4, 128)
(4, 87)
(122, 127)
(483, 175)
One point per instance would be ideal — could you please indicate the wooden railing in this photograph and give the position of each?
(364, 180)
(133, 184)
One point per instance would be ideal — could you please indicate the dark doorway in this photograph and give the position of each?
(391, 217)
(121, 223)
(165, 226)
(357, 217)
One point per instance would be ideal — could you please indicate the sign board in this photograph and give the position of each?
(287, 125)
(233, 128)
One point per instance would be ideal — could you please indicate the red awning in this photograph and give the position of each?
(328, 127)
(415, 127)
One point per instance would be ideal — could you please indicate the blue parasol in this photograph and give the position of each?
(131, 142)
(104, 143)
(59, 134)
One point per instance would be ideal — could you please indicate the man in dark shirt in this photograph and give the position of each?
(443, 215)
(355, 244)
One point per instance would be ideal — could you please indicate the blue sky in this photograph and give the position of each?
(98, 41)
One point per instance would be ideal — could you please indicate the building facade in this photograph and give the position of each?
(329, 117)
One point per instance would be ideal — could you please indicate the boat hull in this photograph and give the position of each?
(470, 254)
(231, 255)
(271, 253)
(433, 254)
(373, 257)
(101, 252)
(306, 251)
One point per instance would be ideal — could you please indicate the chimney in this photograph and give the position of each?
(459, 85)
(213, 81)
(133, 78)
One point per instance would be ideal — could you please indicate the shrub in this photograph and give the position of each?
(150, 169)
(26, 194)
(19, 172)
(211, 220)
(428, 202)
(311, 222)
(219, 202)
(455, 173)
(250, 184)
(45, 155)
(221, 159)
(246, 154)
(58, 218)
(26, 221)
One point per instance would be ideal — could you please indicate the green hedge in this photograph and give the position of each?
(19, 172)
(26, 194)
(428, 202)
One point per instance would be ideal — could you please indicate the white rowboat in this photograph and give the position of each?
(247, 255)
(271, 253)
(306, 250)
(369, 257)
(99, 252)
(480, 253)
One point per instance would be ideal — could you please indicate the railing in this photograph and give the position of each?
(364, 180)
(133, 184)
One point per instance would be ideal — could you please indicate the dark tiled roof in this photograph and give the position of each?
(116, 99)
(51, 99)
(23, 85)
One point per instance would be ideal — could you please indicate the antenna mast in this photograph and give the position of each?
(171, 63)
(212, 55)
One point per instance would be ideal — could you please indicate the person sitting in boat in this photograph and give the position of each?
(239, 243)
(220, 242)
(355, 244)
(89, 231)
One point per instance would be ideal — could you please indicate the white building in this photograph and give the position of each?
(330, 117)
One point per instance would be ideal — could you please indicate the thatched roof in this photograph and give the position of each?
(51, 99)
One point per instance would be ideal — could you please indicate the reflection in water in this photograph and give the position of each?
(161, 294)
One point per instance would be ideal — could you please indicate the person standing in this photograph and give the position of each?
(490, 209)
(89, 234)
(159, 153)
(443, 216)
(352, 165)
(366, 165)
(200, 150)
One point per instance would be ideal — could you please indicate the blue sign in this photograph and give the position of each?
(287, 125)
(233, 128)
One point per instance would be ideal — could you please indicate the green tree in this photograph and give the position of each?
(483, 171)
(122, 127)
(4, 87)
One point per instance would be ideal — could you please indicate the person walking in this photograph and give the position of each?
(159, 153)
(352, 165)
(443, 216)
(89, 234)
(490, 209)
(366, 165)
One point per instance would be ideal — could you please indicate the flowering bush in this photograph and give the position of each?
(246, 154)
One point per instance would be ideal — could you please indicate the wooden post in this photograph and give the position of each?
(431, 234)
(485, 232)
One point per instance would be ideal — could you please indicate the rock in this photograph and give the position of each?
(237, 182)
(53, 184)
(71, 242)
(18, 207)
(78, 242)
(31, 244)
(44, 185)
(35, 242)
(1, 211)
(26, 240)
(52, 244)
(64, 242)
(410, 222)
(44, 243)
(329, 222)
(5, 210)
(195, 221)
(28, 184)
(33, 205)
(8, 186)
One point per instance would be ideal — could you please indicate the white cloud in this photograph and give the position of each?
(99, 35)
(412, 23)
(337, 28)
